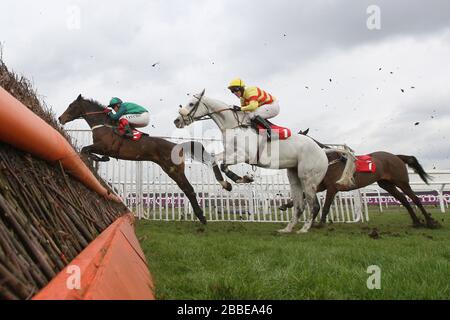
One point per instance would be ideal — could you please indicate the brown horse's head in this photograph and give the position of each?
(74, 111)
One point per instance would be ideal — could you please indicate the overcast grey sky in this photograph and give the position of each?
(107, 48)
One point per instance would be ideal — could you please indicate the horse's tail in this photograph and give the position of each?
(347, 178)
(414, 164)
(321, 144)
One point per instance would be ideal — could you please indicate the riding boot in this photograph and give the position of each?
(263, 122)
(125, 129)
(128, 131)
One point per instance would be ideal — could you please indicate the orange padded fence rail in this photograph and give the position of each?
(26, 131)
(112, 267)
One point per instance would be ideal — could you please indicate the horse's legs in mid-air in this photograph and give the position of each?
(297, 197)
(391, 188)
(176, 172)
(218, 174)
(406, 188)
(233, 176)
(197, 152)
(89, 151)
(220, 157)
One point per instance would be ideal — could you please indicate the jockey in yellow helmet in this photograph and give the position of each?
(258, 103)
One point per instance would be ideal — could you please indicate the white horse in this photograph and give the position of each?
(305, 161)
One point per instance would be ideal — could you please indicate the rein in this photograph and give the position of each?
(91, 113)
(208, 115)
(88, 114)
(81, 116)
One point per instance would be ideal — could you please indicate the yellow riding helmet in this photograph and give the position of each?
(236, 83)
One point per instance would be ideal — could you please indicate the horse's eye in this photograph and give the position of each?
(191, 104)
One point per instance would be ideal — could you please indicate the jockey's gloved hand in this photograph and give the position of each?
(236, 108)
(107, 110)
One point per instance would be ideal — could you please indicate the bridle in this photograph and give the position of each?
(207, 116)
(191, 114)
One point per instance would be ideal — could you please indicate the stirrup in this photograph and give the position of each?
(269, 135)
(263, 122)
(128, 132)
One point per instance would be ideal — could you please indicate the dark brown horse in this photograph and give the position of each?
(391, 175)
(109, 144)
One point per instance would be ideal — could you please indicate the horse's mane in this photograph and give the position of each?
(224, 105)
(216, 101)
(95, 102)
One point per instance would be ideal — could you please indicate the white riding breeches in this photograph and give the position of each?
(138, 120)
(266, 111)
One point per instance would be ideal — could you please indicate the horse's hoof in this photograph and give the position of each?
(433, 224)
(226, 185)
(105, 159)
(248, 179)
(282, 208)
(418, 225)
(202, 220)
(302, 231)
(319, 225)
(245, 179)
(284, 231)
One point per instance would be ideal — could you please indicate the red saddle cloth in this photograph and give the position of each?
(365, 164)
(281, 132)
(137, 135)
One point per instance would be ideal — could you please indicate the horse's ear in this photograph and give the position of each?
(80, 97)
(201, 94)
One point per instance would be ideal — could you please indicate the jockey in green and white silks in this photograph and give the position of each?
(136, 115)
(129, 115)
